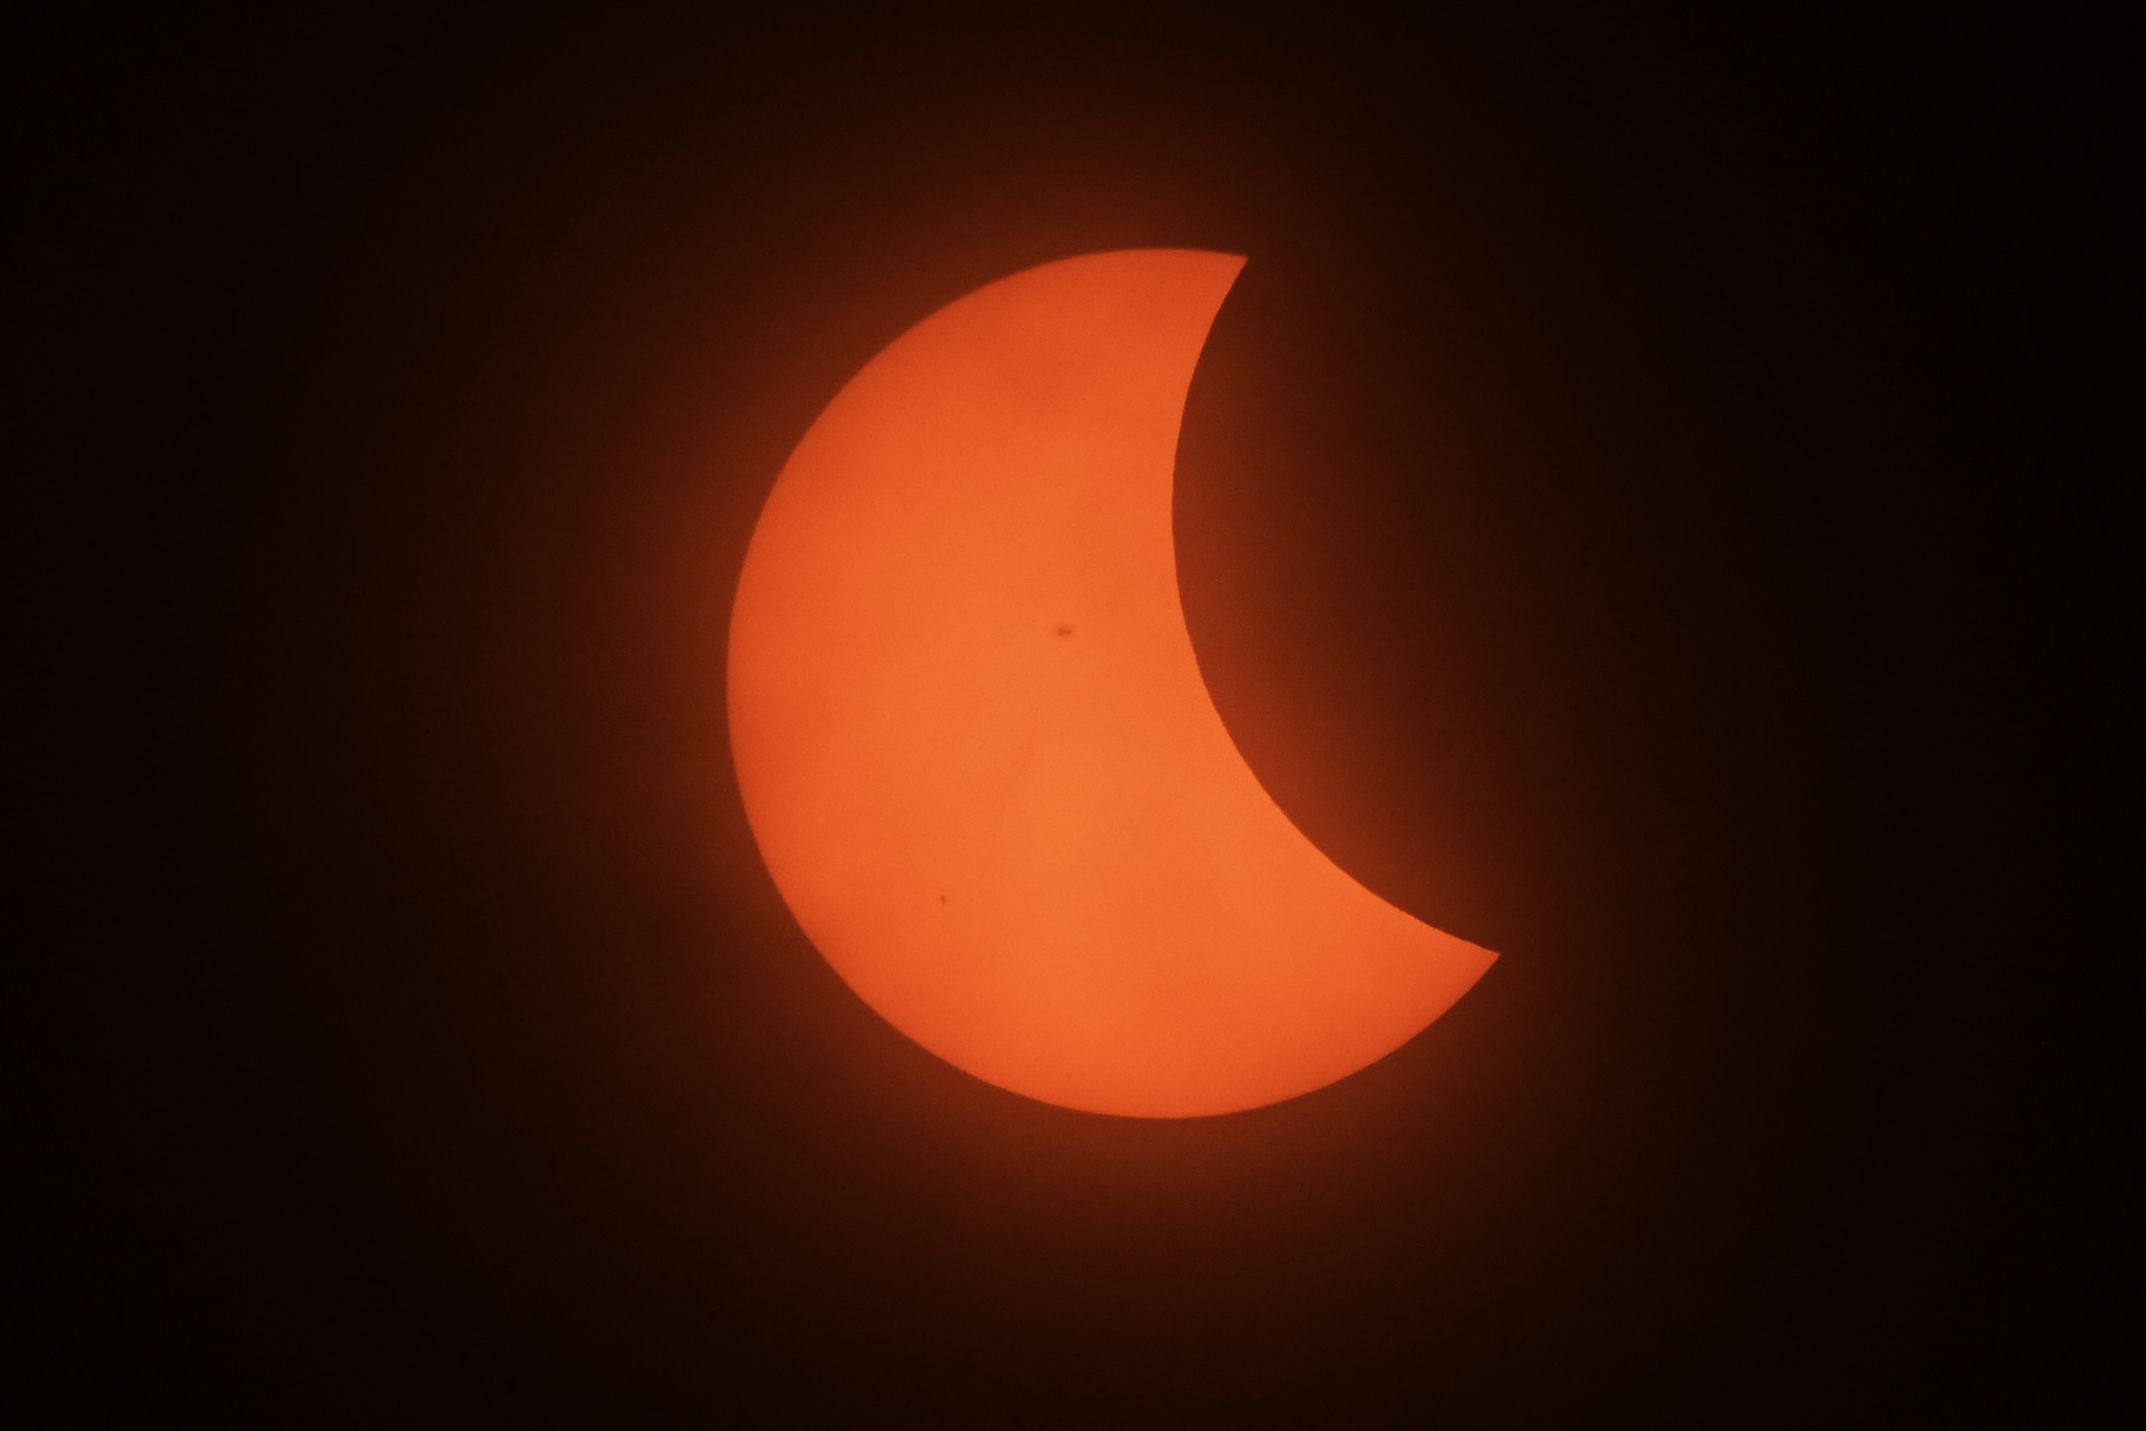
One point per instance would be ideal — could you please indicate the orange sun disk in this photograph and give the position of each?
(975, 747)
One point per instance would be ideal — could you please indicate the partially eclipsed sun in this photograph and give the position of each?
(975, 747)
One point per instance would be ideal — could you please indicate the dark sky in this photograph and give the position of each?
(1608, 511)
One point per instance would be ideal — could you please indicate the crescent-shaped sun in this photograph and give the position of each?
(975, 747)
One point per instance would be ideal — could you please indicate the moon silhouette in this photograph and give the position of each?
(975, 747)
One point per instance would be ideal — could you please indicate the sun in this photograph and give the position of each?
(975, 747)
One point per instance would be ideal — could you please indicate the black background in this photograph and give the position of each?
(1603, 517)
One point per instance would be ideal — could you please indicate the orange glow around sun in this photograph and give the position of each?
(975, 747)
